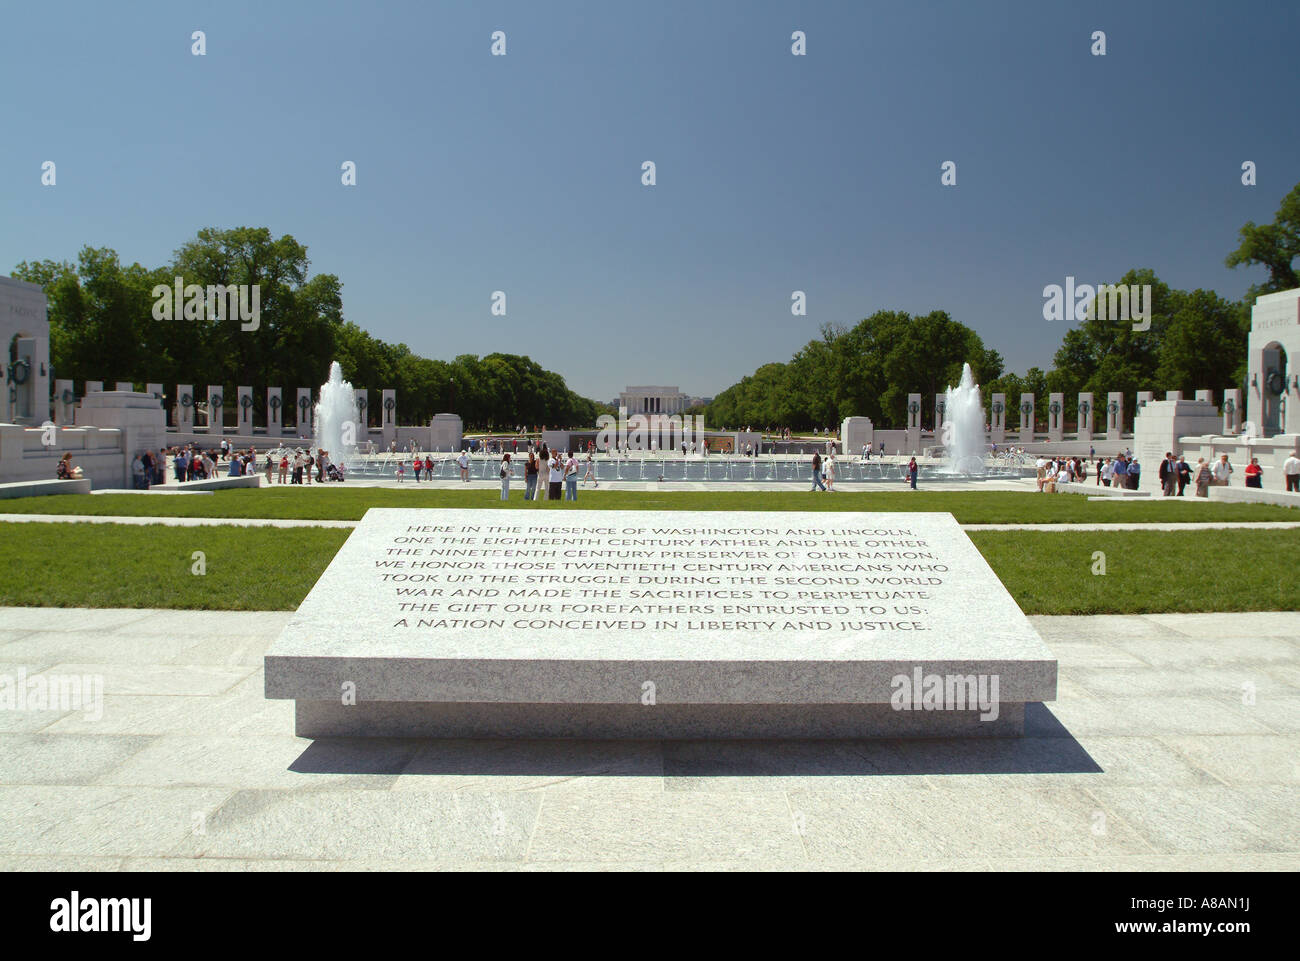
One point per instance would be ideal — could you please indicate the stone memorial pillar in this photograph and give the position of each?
(1026, 418)
(184, 407)
(998, 424)
(445, 433)
(305, 411)
(94, 387)
(1114, 415)
(274, 412)
(1144, 397)
(1173, 395)
(156, 392)
(1205, 395)
(855, 433)
(216, 410)
(360, 407)
(1232, 411)
(1056, 417)
(913, 424)
(125, 386)
(65, 403)
(1085, 417)
(245, 415)
(940, 410)
(138, 418)
(388, 415)
(27, 394)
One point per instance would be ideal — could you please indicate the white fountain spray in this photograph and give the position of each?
(963, 426)
(336, 408)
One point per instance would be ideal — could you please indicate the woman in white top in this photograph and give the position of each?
(506, 473)
(591, 470)
(830, 473)
(556, 477)
(1221, 471)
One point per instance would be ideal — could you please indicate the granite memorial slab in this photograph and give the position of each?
(670, 624)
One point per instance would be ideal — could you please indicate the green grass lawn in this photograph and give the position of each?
(1147, 572)
(117, 565)
(350, 503)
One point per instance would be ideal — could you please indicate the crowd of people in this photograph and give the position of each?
(192, 462)
(551, 474)
(1174, 473)
(546, 473)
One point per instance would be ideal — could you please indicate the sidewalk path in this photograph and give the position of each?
(295, 522)
(1171, 746)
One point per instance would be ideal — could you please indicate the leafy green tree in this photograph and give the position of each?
(868, 369)
(99, 312)
(102, 328)
(1274, 246)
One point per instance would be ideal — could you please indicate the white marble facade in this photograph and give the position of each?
(654, 400)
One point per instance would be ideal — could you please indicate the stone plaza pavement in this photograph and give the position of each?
(1174, 744)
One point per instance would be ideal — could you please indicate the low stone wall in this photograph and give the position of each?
(1254, 495)
(1271, 451)
(25, 455)
(212, 483)
(39, 488)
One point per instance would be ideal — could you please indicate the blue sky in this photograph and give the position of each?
(775, 173)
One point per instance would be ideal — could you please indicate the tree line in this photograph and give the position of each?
(103, 327)
(1196, 339)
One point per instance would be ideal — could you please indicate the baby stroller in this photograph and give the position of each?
(334, 473)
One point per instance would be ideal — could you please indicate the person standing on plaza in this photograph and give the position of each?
(1203, 477)
(1291, 471)
(817, 472)
(912, 471)
(1167, 473)
(463, 463)
(556, 477)
(530, 475)
(1222, 471)
(1254, 473)
(830, 472)
(507, 471)
(1100, 467)
(1134, 473)
(591, 470)
(571, 477)
(1184, 474)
